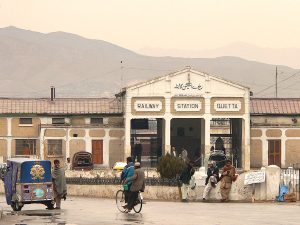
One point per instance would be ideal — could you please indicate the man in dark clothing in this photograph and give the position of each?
(185, 178)
(59, 183)
(127, 172)
(212, 170)
(138, 184)
(137, 152)
(211, 179)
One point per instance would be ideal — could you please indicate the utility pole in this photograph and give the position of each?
(121, 76)
(276, 91)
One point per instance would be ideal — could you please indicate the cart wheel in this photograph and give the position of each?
(16, 206)
(50, 205)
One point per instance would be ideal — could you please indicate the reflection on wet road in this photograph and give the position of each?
(96, 211)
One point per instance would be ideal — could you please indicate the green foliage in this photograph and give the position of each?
(169, 166)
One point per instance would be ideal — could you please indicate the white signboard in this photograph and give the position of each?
(227, 106)
(148, 105)
(255, 177)
(187, 105)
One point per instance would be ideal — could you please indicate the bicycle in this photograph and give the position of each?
(120, 200)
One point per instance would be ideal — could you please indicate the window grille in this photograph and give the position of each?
(25, 121)
(25, 147)
(58, 120)
(96, 121)
(55, 147)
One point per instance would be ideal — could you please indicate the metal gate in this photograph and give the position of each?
(291, 177)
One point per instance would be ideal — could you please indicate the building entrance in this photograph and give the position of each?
(188, 134)
(146, 141)
(226, 141)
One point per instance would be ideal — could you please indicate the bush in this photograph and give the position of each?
(169, 166)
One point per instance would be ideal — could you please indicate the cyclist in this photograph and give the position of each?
(138, 184)
(127, 172)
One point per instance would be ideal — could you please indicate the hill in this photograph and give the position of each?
(31, 62)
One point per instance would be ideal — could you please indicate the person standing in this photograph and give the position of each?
(184, 155)
(137, 152)
(138, 184)
(68, 164)
(173, 152)
(127, 172)
(211, 179)
(59, 184)
(228, 176)
(185, 178)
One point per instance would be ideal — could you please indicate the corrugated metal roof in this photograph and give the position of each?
(275, 106)
(60, 106)
(114, 106)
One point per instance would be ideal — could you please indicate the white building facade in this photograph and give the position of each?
(184, 104)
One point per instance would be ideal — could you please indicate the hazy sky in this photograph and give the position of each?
(168, 24)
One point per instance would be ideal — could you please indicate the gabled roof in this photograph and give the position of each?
(60, 106)
(275, 106)
(187, 69)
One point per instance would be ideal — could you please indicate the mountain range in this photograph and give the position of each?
(31, 62)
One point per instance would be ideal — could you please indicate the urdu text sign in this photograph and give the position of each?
(255, 177)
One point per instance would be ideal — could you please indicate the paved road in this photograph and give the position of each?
(89, 211)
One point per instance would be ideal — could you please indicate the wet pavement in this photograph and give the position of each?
(95, 211)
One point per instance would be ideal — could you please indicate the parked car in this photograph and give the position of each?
(82, 161)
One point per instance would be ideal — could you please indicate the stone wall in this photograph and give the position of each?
(239, 191)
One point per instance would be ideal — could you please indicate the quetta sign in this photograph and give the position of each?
(227, 106)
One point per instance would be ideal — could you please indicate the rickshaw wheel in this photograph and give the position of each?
(50, 205)
(16, 206)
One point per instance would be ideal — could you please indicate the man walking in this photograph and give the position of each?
(59, 183)
(185, 178)
(211, 179)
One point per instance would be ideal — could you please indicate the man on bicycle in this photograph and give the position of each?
(138, 184)
(127, 172)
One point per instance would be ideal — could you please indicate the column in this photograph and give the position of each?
(67, 144)
(9, 140)
(246, 142)
(42, 144)
(207, 119)
(167, 135)
(283, 140)
(265, 148)
(202, 141)
(207, 140)
(127, 146)
(88, 140)
(106, 148)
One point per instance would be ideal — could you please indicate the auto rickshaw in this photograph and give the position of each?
(28, 181)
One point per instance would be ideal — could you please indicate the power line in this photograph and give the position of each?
(285, 79)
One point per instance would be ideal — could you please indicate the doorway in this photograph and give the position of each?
(186, 134)
(97, 151)
(274, 152)
(146, 141)
(226, 140)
